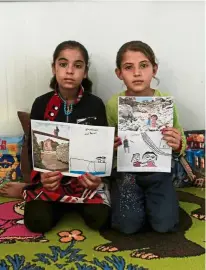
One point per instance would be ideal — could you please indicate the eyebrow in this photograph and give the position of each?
(64, 59)
(128, 63)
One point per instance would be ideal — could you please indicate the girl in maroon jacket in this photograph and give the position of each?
(70, 101)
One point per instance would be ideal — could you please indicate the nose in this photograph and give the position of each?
(70, 69)
(137, 71)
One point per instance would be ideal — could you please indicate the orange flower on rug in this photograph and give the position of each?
(68, 236)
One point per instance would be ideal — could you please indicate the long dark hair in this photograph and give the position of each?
(70, 44)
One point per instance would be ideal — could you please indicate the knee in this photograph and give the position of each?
(36, 219)
(165, 225)
(96, 216)
(129, 224)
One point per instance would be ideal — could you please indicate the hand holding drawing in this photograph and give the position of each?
(117, 142)
(89, 181)
(173, 137)
(51, 180)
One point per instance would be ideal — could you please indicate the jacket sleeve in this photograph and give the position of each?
(101, 115)
(111, 114)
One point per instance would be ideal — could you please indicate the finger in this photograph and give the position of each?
(51, 180)
(174, 146)
(3, 188)
(51, 174)
(116, 145)
(116, 139)
(89, 183)
(172, 130)
(171, 134)
(82, 181)
(3, 192)
(91, 177)
(52, 186)
(95, 180)
(169, 138)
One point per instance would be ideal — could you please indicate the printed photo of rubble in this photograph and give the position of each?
(145, 113)
(50, 146)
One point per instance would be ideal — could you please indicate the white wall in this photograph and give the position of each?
(29, 33)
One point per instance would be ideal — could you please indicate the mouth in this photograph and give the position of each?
(69, 80)
(138, 82)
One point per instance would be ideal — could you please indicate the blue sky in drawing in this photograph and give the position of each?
(48, 127)
(140, 99)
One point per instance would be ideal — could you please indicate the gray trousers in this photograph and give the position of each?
(140, 197)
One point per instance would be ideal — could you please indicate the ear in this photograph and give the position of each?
(53, 69)
(119, 73)
(155, 69)
(85, 74)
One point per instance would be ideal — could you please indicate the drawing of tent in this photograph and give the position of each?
(81, 166)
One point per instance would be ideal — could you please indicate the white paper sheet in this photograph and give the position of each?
(140, 121)
(72, 149)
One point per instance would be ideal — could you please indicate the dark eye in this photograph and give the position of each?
(128, 67)
(63, 65)
(143, 65)
(78, 66)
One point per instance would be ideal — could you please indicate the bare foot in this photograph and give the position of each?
(143, 255)
(199, 216)
(105, 248)
(8, 241)
(40, 239)
(12, 190)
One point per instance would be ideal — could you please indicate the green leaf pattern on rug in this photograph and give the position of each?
(61, 258)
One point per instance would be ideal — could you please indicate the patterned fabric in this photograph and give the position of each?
(69, 191)
(10, 151)
(127, 201)
(55, 103)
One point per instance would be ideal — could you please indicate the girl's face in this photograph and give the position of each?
(149, 157)
(70, 69)
(19, 208)
(136, 71)
(136, 157)
(154, 117)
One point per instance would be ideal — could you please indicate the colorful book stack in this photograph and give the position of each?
(195, 153)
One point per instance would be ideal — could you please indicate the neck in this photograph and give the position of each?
(144, 93)
(69, 94)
